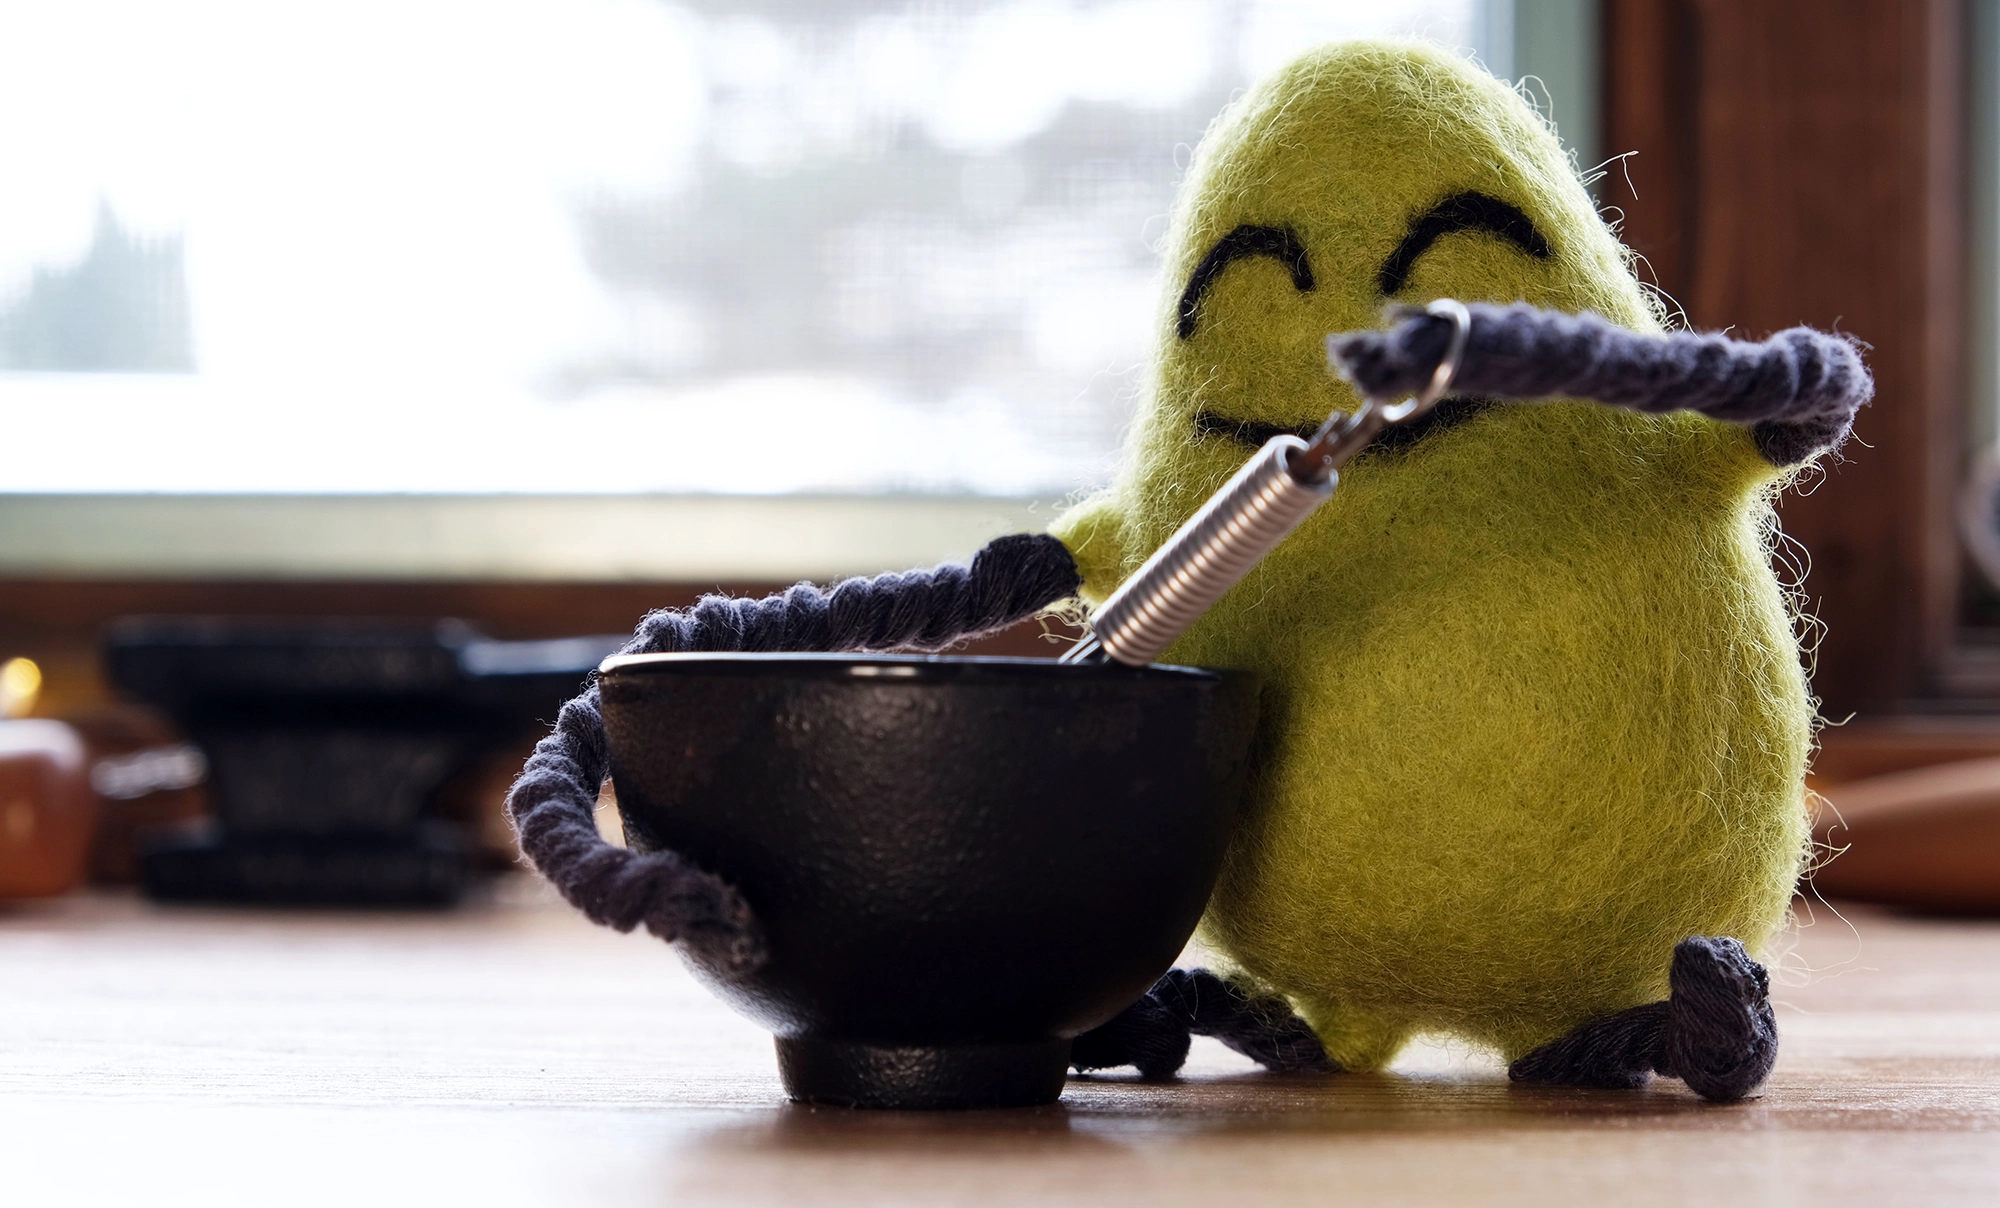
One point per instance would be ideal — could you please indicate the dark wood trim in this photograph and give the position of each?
(58, 622)
(77, 609)
(1878, 746)
(1649, 93)
(1802, 161)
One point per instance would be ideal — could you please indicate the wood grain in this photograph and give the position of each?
(512, 1054)
(1801, 161)
(1880, 745)
(1927, 839)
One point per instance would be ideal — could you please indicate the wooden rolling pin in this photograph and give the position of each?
(1927, 839)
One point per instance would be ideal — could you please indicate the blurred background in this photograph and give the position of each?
(463, 323)
(247, 245)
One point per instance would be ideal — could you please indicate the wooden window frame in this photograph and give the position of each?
(1805, 161)
(1797, 161)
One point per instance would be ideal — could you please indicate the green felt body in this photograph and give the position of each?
(1535, 708)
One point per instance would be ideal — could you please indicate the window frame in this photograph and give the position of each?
(1806, 161)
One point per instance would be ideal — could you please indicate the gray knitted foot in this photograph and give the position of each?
(1616, 1052)
(1721, 1036)
(1152, 1034)
(1145, 1035)
(1262, 1027)
(1715, 1032)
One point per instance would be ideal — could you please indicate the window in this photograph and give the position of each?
(324, 257)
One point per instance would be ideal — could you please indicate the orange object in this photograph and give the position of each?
(145, 779)
(47, 811)
(1927, 839)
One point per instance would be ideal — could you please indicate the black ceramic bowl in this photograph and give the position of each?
(959, 863)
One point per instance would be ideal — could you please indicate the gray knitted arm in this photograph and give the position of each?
(554, 803)
(1800, 388)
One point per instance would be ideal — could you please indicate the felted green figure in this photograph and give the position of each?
(1534, 709)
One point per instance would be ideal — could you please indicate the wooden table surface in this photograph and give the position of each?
(511, 1053)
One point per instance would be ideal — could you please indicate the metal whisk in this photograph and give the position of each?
(1256, 509)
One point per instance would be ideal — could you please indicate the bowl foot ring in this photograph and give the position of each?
(923, 1078)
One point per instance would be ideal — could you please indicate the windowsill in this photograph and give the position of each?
(534, 538)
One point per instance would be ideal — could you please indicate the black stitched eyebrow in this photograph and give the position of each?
(1252, 434)
(1459, 212)
(1279, 243)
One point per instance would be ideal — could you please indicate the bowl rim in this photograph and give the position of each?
(906, 668)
